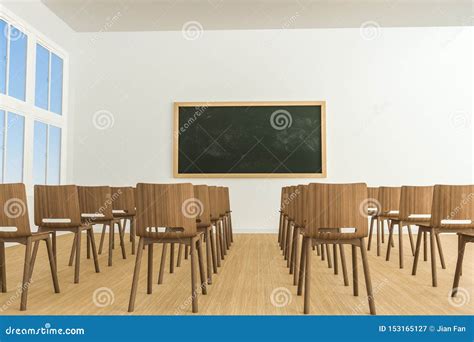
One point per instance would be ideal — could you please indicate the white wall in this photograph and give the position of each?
(399, 107)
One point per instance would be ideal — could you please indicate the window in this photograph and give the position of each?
(12, 141)
(46, 154)
(33, 118)
(13, 51)
(49, 80)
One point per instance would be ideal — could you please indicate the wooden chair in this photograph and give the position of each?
(228, 217)
(415, 207)
(161, 206)
(56, 210)
(335, 206)
(282, 217)
(389, 200)
(216, 221)
(96, 204)
(123, 208)
(290, 218)
(15, 227)
(373, 208)
(452, 211)
(463, 238)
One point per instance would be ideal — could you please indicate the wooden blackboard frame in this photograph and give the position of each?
(178, 105)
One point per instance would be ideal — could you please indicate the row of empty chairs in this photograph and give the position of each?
(321, 213)
(189, 214)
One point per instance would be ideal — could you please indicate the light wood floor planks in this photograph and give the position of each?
(253, 270)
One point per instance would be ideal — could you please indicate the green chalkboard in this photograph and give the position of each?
(281, 139)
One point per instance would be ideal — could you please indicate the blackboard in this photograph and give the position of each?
(250, 139)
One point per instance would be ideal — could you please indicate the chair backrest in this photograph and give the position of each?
(124, 199)
(282, 200)
(336, 206)
(96, 200)
(291, 203)
(389, 199)
(201, 193)
(221, 203)
(165, 205)
(56, 202)
(227, 199)
(415, 200)
(214, 202)
(14, 221)
(299, 205)
(453, 202)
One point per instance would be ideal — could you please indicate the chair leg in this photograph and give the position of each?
(301, 273)
(433, 258)
(400, 244)
(136, 274)
(372, 220)
(73, 250)
(293, 250)
(318, 250)
(343, 264)
(133, 234)
(122, 240)
(457, 274)
(379, 231)
(222, 239)
(279, 228)
(150, 269)
(162, 263)
(186, 252)
(323, 252)
(102, 238)
(33, 258)
(334, 254)
(218, 245)
(180, 255)
(3, 267)
(368, 281)
(382, 231)
(88, 248)
(417, 251)
(202, 273)
(52, 265)
(90, 233)
(296, 263)
(171, 258)
(286, 251)
(440, 251)
(390, 238)
(78, 256)
(26, 275)
(53, 242)
(213, 250)
(111, 243)
(193, 275)
(208, 256)
(328, 254)
(307, 275)
(425, 246)
(412, 244)
(355, 277)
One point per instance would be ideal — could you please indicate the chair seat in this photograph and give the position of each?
(97, 220)
(123, 215)
(389, 216)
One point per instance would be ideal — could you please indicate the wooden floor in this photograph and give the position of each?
(253, 280)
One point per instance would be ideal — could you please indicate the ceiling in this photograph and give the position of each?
(163, 15)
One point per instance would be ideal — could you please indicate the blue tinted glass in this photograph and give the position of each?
(17, 68)
(3, 56)
(2, 140)
(39, 153)
(14, 159)
(54, 155)
(42, 75)
(56, 84)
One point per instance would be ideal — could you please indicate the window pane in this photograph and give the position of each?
(42, 75)
(39, 153)
(14, 159)
(17, 68)
(3, 56)
(2, 140)
(54, 155)
(56, 100)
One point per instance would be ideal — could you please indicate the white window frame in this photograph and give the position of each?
(27, 108)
